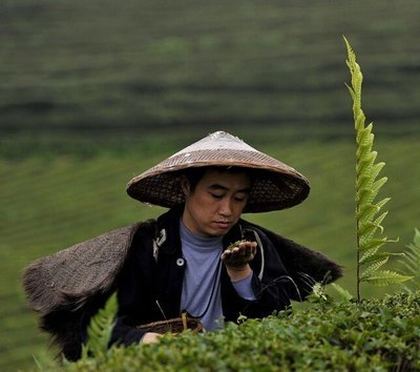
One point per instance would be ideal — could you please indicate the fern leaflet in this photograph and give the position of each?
(100, 328)
(410, 263)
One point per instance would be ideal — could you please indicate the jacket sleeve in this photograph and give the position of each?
(125, 334)
(270, 295)
(133, 293)
(304, 266)
(129, 307)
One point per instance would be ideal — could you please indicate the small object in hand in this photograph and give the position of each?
(239, 253)
(236, 244)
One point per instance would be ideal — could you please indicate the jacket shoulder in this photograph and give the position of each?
(72, 275)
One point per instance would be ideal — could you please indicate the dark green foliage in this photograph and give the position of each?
(373, 335)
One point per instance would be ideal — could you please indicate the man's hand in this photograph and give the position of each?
(237, 259)
(150, 338)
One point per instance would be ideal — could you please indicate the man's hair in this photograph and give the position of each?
(194, 175)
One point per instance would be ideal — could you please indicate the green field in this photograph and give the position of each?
(50, 202)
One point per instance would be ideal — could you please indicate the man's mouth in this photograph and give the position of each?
(223, 224)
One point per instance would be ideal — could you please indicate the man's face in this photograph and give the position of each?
(216, 203)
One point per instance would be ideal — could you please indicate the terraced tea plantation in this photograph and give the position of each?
(151, 64)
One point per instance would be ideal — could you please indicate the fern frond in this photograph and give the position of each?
(409, 266)
(371, 244)
(364, 137)
(368, 224)
(386, 277)
(351, 91)
(366, 164)
(372, 253)
(376, 186)
(365, 147)
(368, 230)
(344, 293)
(363, 182)
(100, 328)
(371, 258)
(366, 213)
(360, 117)
(374, 266)
(416, 239)
(380, 219)
(411, 261)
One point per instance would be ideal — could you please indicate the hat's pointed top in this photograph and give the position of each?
(217, 141)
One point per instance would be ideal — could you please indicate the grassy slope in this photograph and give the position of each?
(51, 202)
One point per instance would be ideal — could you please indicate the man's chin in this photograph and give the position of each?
(217, 232)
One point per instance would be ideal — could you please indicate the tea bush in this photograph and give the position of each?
(374, 335)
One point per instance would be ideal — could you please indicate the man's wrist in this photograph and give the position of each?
(238, 273)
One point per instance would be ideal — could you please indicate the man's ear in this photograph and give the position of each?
(185, 186)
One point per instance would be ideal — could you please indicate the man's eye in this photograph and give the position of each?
(217, 196)
(240, 198)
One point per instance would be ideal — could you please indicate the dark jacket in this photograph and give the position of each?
(151, 270)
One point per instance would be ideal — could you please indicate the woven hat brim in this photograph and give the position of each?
(275, 186)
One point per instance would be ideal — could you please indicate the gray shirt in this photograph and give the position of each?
(201, 287)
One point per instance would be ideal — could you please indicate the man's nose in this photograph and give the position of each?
(225, 207)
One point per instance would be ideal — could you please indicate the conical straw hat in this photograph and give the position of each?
(275, 184)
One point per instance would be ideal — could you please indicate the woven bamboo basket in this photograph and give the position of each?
(175, 325)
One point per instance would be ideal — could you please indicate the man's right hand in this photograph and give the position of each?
(150, 338)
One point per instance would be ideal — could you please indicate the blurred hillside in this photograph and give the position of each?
(203, 64)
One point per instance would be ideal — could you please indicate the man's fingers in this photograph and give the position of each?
(240, 255)
(245, 250)
(248, 248)
(150, 338)
(254, 249)
(226, 255)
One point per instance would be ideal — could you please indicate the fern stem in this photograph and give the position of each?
(358, 261)
(357, 242)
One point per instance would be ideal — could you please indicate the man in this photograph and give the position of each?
(180, 261)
